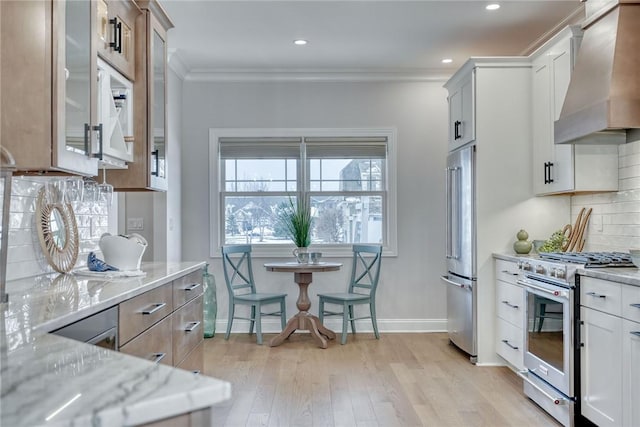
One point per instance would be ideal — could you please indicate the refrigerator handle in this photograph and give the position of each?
(453, 213)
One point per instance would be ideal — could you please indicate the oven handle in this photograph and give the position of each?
(562, 294)
(555, 400)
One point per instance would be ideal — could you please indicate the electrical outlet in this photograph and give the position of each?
(135, 224)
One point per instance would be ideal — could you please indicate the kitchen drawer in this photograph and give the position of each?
(188, 328)
(631, 302)
(507, 271)
(509, 339)
(510, 303)
(187, 288)
(602, 295)
(139, 313)
(152, 343)
(195, 360)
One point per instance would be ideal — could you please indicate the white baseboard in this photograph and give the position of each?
(272, 325)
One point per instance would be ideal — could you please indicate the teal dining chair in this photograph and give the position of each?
(238, 276)
(365, 273)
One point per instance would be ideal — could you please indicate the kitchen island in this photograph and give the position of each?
(48, 379)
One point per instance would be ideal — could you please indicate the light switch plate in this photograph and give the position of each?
(135, 224)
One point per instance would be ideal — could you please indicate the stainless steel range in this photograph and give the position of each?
(551, 337)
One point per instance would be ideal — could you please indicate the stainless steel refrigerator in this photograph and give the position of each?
(461, 250)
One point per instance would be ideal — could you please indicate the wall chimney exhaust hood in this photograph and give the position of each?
(603, 98)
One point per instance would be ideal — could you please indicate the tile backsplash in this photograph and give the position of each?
(24, 256)
(615, 220)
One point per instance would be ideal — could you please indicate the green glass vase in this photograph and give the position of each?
(210, 303)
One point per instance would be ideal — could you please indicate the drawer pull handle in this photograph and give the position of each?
(635, 305)
(509, 304)
(192, 326)
(508, 272)
(154, 308)
(157, 357)
(192, 286)
(636, 333)
(509, 344)
(593, 294)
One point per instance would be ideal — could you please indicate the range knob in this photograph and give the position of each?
(540, 269)
(526, 266)
(559, 273)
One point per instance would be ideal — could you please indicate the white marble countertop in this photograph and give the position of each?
(41, 373)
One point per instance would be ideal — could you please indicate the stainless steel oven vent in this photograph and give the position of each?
(603, 98)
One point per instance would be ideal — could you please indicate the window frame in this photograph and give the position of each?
(216, 228)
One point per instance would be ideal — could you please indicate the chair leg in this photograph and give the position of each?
(230, 321)
(345, 313)
(353, 322)
(372, 307)
(321, 310)
(283, 314)
(258, 317)
(253, 319)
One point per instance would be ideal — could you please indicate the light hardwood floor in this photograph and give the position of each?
(399, 380)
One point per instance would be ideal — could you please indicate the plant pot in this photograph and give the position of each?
(302, 255)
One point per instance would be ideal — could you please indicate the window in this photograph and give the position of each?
(344, 174)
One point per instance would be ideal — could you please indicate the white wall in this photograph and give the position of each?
(411, 296)
(162, 211)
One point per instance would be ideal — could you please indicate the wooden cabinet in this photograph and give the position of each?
(509, 314)
(166, 324)
(148, 172)
(53, 119)
(116, 21)
(461, 111)
(563, 168)
(47, 88)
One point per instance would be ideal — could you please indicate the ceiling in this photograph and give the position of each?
(402, 37)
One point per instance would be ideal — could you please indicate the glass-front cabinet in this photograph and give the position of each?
(63, 108)
(149, 170)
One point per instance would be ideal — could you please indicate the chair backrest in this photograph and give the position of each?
(238, 273)
(365, 270)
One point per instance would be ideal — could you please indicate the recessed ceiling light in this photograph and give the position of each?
(493, 6)
(300, 42)
(447, 61)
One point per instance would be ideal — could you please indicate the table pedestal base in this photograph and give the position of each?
(305, 322)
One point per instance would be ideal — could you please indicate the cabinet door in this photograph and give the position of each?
(562, 171)
(541, 126)
(461, 113)
(158, 106)
(601, 366)
(631, 373)
(116, 34)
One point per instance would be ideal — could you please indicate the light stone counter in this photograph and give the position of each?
(514, 256)
(628, 276)
(41, 373)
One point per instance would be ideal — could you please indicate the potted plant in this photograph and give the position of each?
(297, 221)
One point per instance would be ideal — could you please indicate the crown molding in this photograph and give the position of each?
(325, 75)
(176, 63)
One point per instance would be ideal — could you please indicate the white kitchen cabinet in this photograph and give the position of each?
(631, 373)
(461, 112)
(563, 168)
(601, 367)
(509, 314)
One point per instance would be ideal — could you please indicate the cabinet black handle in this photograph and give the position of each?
(550, 174)
(456, 129)
(117, 35)
(100, 144)
(87, 130)
(156, 172)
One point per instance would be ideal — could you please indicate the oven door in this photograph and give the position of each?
(549, 333)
